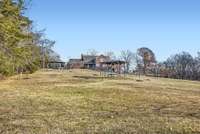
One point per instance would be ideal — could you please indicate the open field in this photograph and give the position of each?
(80, 101)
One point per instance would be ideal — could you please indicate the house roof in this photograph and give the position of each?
(92, 57)
(88, 59)
(103, 56)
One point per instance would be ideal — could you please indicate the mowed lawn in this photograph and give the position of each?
(80, 101)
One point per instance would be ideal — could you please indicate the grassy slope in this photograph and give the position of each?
(69, 102)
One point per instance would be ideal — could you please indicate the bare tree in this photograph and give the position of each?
(138, 62)
(197, 67)
(181, 66)
(110, 54)
(92, 52)
(46, 50)
(147, 56)
(128, 57)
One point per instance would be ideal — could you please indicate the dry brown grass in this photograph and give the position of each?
(80, 101)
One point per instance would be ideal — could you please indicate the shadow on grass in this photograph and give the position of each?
(87, 77)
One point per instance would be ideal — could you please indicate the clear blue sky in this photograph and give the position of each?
(165, 26)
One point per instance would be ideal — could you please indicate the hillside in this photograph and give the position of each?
(80, 101)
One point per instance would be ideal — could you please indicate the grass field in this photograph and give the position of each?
(80, 101)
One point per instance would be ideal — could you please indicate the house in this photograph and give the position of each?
(87, 62)
(101, 62)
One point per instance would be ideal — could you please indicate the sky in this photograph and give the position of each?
(165, 26)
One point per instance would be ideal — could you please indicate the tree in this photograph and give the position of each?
(19, 44)
(110, 54)
(181, 66)
(184, 62)
(148, 57)
(139, 64)
(92, 52)
(15, 44)
(46, 51)
(197, 67)
(128, 57)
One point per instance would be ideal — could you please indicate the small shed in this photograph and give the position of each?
(55, 64)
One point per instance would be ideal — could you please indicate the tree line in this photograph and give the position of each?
(22, 49)
(181, 66)
(143, 62)
(178, 66)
